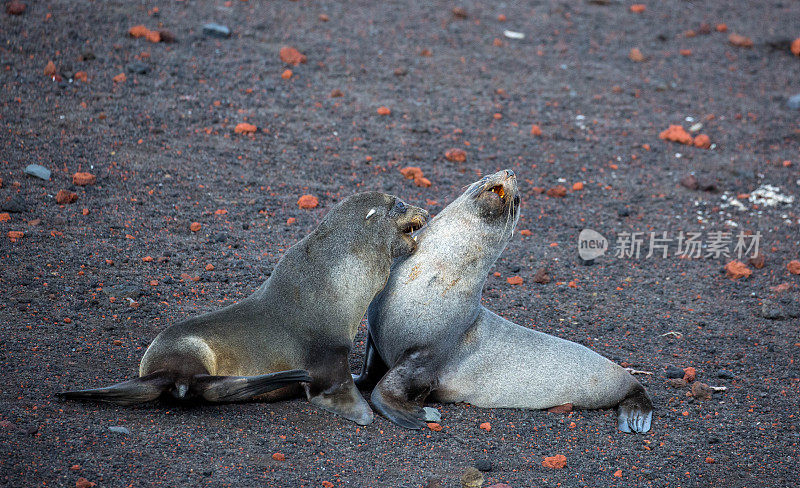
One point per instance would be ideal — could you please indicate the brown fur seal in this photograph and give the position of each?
(302, 319)
(429, 334)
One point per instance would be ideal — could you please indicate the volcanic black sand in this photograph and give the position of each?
(90, 283)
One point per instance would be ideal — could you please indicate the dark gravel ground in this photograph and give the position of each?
(163, 148)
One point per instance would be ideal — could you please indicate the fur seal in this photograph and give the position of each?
(302, 319)
(429, 334)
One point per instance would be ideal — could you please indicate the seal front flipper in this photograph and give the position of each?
(400, 393)
(373, 369)
(240, 388)
(138, 390)
(345, 400)
(635, 412)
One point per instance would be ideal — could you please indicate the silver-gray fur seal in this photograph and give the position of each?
(296, 329)
(430, 335)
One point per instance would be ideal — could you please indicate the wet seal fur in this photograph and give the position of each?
(429, 335)
(302, 319)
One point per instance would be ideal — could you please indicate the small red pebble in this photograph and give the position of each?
(195, 226)
(384, 111)
(5, 217)
(737, 269)
(15, 234)
(497, 274)
(785, 164)
(147, 259)
(618, 473)
(577, 186)
(536, 130)
(794, 267)
(69, 321)
(153, 282)
(290, 55)
(84, 483)
(286, 74)
(83, 179)
(689, 374)
(75, 467)
(245, 128)
(525, 232)
(336, 93)
(291, 220)
(278, 456)
(558, 191)
(501, 18)
(486, 426)
(120, 78)
(565, 408)
(434, 426)
(327, 484)
(636, 55)
(702, 141)
(556, 462)
(497, 116)
(81, 76)
(324, 17)
(710, 460)
(15, 7)
(722, 28)
(457, 155)
(307, 202)
(64, 197)
(795, 47)
(740, 40)
(572, 425)
(676, 133)
(514, 280)
(220, 211)
(686, 52)
(411, 172)
(638, 8)
(209, 267)
(50, 69)
(422, 182)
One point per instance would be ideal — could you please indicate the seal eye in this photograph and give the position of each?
(400, 207)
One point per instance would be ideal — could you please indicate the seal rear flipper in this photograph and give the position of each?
(404, 414)
(345, 401)
(399, 395)
(635, 412)
(240, 388)
(373, 369)
(138, 390)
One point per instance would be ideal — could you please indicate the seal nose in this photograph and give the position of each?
(509, 173)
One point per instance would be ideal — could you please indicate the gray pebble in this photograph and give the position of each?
(38, 171)
(794, 102)
(213, 29)
(432, 415)
(16, 204)
(139, 68)
(725, 374)
(118, 429)
(673, 372)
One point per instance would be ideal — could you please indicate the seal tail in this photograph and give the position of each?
(139, 390)
(239, 388)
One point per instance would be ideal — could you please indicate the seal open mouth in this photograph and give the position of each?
(412, 226)
(501, 192)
